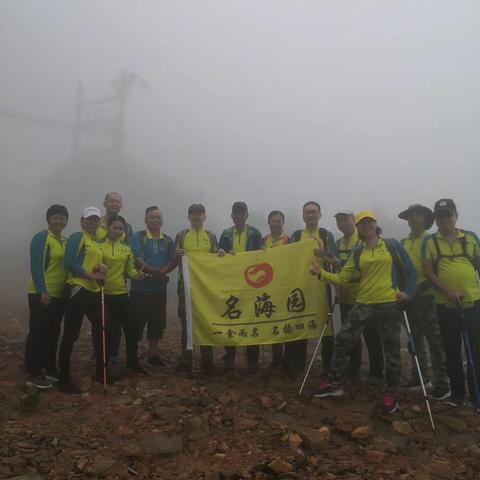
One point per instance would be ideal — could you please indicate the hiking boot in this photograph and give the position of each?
(390, 404)
(207, 368)
(137, 369)
(185, 365)
(328, 389)
(455, 401)
(52, 375)
(229, 370)
(38, 381)
(416, 386)
(252, 368)
(374, 381)
(156, 361)
(68, 387)
(111, 379)
(440, 393)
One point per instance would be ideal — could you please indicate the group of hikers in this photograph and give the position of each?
(431, 277)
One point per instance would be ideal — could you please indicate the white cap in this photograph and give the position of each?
(91, 212)
(344, 212)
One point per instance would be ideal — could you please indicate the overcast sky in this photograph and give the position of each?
(355, 104)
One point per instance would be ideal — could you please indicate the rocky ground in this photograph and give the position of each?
(167, 426)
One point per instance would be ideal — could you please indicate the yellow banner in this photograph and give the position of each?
(254, 298)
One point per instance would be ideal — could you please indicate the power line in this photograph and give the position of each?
(35, 119)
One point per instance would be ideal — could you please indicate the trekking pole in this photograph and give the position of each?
(413, 352)
(104, 341)
(329, 320)
(468, 350)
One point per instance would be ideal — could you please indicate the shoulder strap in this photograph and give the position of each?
(463, 244)
(296, 235)
(212, 240)
(356, 255)
(324, 237)
(143, 239)
(181, 238)
(439, 253)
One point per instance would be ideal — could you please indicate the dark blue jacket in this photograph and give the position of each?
(254, 239)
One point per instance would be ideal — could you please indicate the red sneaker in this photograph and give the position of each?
(390, 403)
(328, 389)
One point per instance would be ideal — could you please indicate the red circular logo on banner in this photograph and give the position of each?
(259, 275)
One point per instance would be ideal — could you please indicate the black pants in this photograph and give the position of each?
(119, 315)
(43, 333)
(150, 310)
(451, 328)
(252, 355)
(277, 354)
(79, 303)
(371, 335)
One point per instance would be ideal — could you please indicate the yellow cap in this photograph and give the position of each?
(365, 214)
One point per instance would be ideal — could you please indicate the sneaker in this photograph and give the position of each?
(328, 389)
(440, 393)
(69, 387)
(455, 401)
(137, 369)
(156, 361)
(52, 375)
(416, 386)
(390, 404)
(38, 381)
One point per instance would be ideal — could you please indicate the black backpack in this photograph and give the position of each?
(210, 235)
(323, 236)
(463, 244)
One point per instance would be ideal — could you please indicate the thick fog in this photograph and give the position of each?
(355, 104)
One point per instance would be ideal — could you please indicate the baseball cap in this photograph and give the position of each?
(445, 204)
(196, 207)
(344, 212)
(239, 207)
(365, 214)
(417, 207)
(91, 212)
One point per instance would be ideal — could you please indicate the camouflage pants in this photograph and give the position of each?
(423, 319)
(387, 317)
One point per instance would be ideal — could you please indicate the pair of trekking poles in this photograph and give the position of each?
(413, 353)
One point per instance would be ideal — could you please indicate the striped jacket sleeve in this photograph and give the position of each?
(71, 253)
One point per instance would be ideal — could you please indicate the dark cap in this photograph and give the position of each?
(417, 207)
(239, 207)
(196, 207)
(445, 204)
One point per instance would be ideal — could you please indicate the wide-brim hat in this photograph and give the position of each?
(417, 207)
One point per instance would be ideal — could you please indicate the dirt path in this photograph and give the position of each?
(167, 426)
